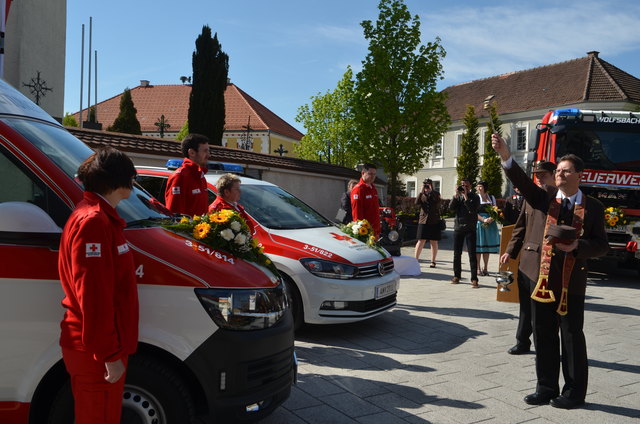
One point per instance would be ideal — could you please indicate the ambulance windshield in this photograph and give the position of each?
(607, 150)
(67, 152)
(274, 208)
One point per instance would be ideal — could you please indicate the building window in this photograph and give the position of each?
(521, 139)
(436, 185)
(458, 144)
(411, 188)
(437, 148)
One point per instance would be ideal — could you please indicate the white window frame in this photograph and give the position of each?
(524, 127)
(413, 181)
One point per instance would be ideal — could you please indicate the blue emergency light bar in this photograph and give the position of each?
(219, 166)
(568, 112)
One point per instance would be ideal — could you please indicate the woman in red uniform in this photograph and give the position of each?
(100, 325)
(229, 192)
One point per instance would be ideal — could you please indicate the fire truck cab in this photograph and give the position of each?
(609, 144)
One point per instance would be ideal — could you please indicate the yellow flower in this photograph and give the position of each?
(197, 218)
(268, 262)
(184, 220)
(201, 230)
(607, 216)
(363, 231)
(218, 217)
(254, 242)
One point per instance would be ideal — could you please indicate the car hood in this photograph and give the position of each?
(178, 260)
(324, 242)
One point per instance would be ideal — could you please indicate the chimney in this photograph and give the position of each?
(593, 53)
(144, 83)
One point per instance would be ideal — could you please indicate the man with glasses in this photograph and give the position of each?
(557, 259)
(464, 205)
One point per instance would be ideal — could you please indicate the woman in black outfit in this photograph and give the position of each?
(429, 221)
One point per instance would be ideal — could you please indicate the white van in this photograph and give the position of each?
(331, 277)
(198, 360)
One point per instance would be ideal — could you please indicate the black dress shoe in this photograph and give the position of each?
(518, 350)
(538, 398)
(566, 403)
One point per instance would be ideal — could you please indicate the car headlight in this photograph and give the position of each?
(244, 309)
(393, 236)
(329, 269)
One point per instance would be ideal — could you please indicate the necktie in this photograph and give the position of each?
(565, 211)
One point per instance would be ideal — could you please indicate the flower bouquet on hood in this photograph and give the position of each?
(224, 230)
(363, 231)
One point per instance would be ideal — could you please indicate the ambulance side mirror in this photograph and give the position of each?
(24, 217)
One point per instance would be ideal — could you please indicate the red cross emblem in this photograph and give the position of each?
(343, 237)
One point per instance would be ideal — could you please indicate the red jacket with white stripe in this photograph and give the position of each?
(365, 205)
(186, 191)
(97, 275)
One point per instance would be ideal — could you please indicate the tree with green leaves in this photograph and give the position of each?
(398, 111)
(329, 125)
(184, 131)
(69, 120)
(126, 121)
(491, 167)
(468, 163)
(206, 101)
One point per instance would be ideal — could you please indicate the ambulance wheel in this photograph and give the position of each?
(295, 302)
(153, 394)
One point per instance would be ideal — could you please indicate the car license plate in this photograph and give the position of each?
(384, 290)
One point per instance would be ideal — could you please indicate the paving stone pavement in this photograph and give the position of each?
(440, 357)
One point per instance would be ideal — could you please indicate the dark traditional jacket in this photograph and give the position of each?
(429, 204)
(592, 243)
(466, 212)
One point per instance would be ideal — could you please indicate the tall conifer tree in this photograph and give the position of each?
(491, 167)
(127, 121)
(206, 102)
(468, 160)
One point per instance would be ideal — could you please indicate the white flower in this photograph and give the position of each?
(235, 226)
(240, 238)
(227, 234)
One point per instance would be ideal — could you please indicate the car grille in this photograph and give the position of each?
(371, 305)
(266, 370)
(618, 238)
(369, 271)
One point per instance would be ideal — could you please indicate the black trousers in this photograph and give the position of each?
(459, 237)
(548, 344)
(525, 327)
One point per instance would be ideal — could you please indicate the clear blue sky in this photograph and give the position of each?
(282, 52)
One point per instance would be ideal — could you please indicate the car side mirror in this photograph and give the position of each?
(24, 217)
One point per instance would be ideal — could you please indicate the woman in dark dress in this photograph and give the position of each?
(429, 222)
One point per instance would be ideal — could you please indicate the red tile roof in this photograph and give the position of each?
(587, 79)
(172, 101)
(171, 149)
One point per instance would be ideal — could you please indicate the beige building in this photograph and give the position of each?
(34, 60)
(249, 125)
(522, 99)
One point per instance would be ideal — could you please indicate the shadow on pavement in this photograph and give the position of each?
(616, 410)
(611, 309)
(635, 369)
(460, 312)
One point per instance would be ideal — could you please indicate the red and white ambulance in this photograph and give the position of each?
(331, 277)
(216, 335)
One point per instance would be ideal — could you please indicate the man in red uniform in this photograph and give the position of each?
(186, 191)
(364, 199)
(228, 187)
(100, 326)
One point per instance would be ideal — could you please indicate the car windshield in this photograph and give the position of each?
(608, 150)
(67, 152)
(274, 208)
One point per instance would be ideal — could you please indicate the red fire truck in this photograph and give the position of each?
(609, 144)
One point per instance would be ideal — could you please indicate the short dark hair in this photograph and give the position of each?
(483, 184)
(106, 170)
(193, 141)
(368, 166)
(462, 180)
(578, 163)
